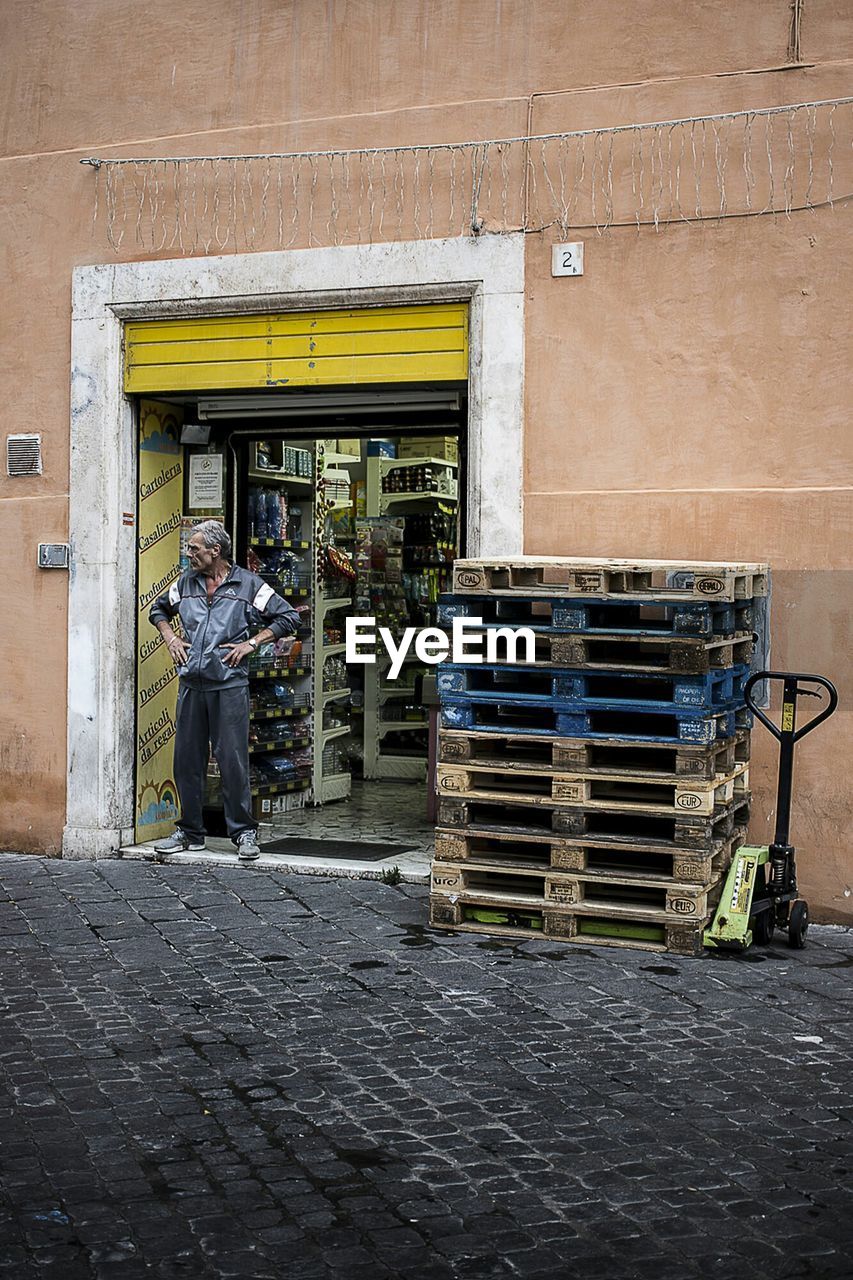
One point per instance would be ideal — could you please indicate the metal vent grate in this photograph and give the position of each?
(23, 455)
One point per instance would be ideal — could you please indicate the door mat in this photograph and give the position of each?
(355, 850)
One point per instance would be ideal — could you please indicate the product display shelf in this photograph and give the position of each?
(379, 502)
(330, 595)
(330, 787)
(269, 476)
(278, 713)
(621, 839)
(334, 695)
(281, 763)
(339, 731)
(276, 456)
(384, 759)
(281, 544)
(379, 763)
(389, 693)
(280, 788)
(387, 465)
(283, 744)
(283, 673)
(393, 501)
(332, 458)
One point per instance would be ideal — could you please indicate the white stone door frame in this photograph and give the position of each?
(488, 272)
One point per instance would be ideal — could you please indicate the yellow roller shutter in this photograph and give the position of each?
(299, 349)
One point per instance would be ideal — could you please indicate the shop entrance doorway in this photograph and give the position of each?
(483, 276)
(365, 523)
(350, 501)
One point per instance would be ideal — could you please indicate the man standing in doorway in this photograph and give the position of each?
(220, 605)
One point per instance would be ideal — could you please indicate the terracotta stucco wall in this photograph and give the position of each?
(683, 398)
(718, 441)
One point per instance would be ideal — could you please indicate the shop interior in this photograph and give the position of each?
(347, 504)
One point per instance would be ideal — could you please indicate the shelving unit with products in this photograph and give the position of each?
(409, 484)
(333, 600)
(411, 527)
(332, 701)
(298, 505)
(339, 529)
(279, 522)
(395, 724)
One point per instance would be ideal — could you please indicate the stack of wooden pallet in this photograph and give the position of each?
(599, 792)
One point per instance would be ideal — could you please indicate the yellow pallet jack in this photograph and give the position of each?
(760, 894)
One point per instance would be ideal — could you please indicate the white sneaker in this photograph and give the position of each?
(177, 842)
(247, 846)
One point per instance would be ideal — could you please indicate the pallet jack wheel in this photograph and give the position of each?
(763, 927)
(798, 924)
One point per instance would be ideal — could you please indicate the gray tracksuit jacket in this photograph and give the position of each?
(241, 605)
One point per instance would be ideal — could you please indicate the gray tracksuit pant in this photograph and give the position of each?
(217, 717)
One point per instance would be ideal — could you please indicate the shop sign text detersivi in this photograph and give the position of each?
(161, 469)
(433, 645)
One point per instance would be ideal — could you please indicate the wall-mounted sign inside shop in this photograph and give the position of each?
(205, 483)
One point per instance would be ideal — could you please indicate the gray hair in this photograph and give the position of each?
(214, 534)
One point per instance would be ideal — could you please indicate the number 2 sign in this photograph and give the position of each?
(567, 259)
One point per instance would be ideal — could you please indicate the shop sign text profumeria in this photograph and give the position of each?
(470, 640)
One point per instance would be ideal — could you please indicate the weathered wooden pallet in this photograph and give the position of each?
(622, 793)
(521, 716)
(678, 830)
(663, 579)
(699, 620)
(687, 866)
(522, 752)
(584, 925)
(594, 690)
(687, 656)
(511, 886)
(612, 858)
(646, 655)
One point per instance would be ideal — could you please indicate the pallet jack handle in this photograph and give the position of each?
(787, 736)
(790, 693)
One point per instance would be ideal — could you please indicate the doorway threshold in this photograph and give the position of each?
(413, 865)
(392, 814)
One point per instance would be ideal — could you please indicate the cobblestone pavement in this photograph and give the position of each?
(228, 1073)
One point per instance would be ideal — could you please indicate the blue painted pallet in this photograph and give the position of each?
(703, 619)
(608, 690)
(520, 716)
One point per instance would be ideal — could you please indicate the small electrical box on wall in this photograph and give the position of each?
(567, 259)
(53, 555)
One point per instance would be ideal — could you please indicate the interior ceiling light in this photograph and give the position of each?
(297, 405)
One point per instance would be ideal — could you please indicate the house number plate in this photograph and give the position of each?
(567, 259)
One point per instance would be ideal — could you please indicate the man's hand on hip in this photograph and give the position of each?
(237, 653)
(177, 650)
